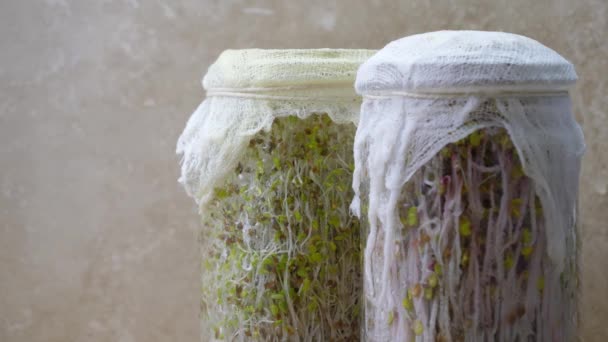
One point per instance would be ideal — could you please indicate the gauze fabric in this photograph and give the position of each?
(247, 90)
(425, 91)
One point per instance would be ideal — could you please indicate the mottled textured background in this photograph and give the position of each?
(97, 240)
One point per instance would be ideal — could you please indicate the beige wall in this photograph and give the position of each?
(97, 241)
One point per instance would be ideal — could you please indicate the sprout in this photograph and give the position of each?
(475, 139)
(428, 293)
(527, 251)
(407, 303)
(433, 280)
(418, 328)
(465, 227)
(540, 284)
(412, 217)
(415, 291)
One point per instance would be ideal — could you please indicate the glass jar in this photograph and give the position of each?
(268, 156)
(467, 164)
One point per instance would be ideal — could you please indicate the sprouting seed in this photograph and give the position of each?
(438, 269)
(433, 280)
(475, 139)
(412, 216)
(415, 291)
(407, 303)
(540, 284)
(527, 251)
(418, 327)
(465, 227)
(428, 293)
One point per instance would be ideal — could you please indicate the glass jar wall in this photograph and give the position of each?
(280, 250)
(468, 258)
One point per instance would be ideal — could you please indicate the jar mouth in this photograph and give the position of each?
(338, 92)
(515, 91)
(465, 62)
(261, 68)
(248, 89)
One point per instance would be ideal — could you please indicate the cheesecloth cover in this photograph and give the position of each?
(425, 91)
(247, 90)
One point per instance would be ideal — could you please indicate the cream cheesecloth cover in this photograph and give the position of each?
(247, 90)
(432, 89)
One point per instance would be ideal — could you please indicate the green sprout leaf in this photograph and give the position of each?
(412, 216)
(464, 227)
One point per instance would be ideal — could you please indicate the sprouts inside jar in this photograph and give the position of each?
(468, 258)
(281, 253)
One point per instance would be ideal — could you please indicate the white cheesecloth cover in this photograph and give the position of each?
(425, 91)
(247, 90)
